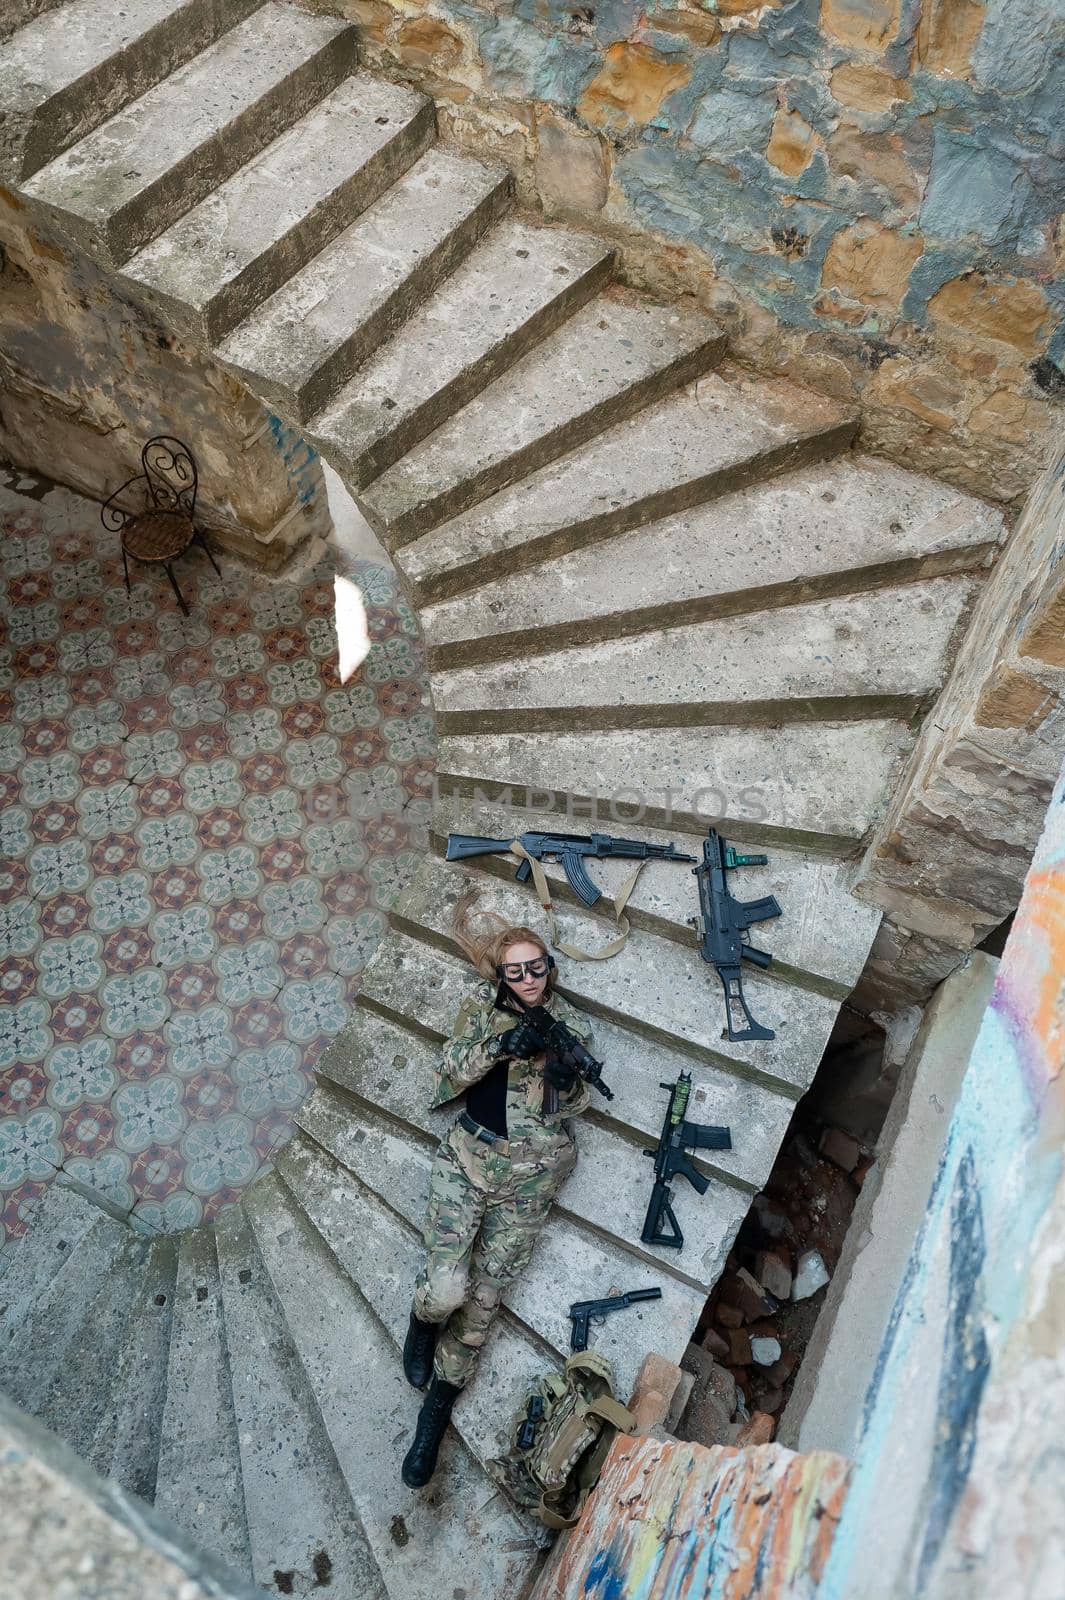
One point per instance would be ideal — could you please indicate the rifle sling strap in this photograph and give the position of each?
(543, 892)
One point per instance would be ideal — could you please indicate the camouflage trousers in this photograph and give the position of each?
(487, 1204)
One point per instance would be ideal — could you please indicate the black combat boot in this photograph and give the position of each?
(418, 1349)
(419, 1463)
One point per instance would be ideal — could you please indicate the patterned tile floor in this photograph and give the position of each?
(201, 830)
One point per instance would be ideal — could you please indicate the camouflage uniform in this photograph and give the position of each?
(488, 1201)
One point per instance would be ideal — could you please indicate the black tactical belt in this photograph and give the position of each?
(467, 1122)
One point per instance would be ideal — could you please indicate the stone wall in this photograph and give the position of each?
(866, 192)
(86, 376)
(948, 862)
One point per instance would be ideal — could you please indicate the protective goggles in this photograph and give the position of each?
(515, 971)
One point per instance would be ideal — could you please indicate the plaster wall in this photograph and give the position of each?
(956, 1490)
(866, 192)
(826, 1406)
(87, 375)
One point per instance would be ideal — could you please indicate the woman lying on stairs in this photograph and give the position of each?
(496, 1171)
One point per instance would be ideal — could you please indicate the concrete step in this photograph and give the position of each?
(76, 1402)
(653, 986)
(827, 661)
(836, 528)
(612, 358)
(304, 1531)
(411, 976)
(60, 1220)
(34, 1357)
(820, 942)
(478, 1544)
(518, 285)
(303, 343)
(198, 1481)
(15, 14)
(248, 237)
(811, 786)
(126, 1446)
(66, 71)
(573, 1260)
(723, 433)
(140, 170)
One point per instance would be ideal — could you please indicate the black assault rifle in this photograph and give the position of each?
(723, 926)
(563, 1043)
(570, 849)
(671, 1158)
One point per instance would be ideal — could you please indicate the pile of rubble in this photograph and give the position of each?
(756, 1324)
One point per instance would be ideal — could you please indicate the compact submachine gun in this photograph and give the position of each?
(723, 925)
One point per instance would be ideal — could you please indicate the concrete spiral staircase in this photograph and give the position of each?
(638, 568)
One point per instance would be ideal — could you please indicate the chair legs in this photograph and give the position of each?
(125, 565)
(205, 547)
(174, 586)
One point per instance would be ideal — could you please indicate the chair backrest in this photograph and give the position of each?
(168, 482)
(170, 474)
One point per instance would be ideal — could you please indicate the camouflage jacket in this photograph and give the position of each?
(465, 1060)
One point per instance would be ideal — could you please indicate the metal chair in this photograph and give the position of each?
(162, 529)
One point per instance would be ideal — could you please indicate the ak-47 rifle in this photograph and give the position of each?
(671, 1157)
(723, 926)
(570, 849)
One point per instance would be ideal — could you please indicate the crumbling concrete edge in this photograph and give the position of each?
(826, 1406)
(24, 1439)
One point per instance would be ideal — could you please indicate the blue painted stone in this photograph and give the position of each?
(727, 122)
(975, 190)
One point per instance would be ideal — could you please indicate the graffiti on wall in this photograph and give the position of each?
(965, 1289)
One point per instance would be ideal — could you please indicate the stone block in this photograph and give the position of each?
(946, 34)
(700, 27)
(863, 24)
(630, 87)
(871, 264)
(572, 169)
(865, 87)
(765, 1351)
(876, 158)
(1044, 637)
(426, 42)
(793, 143)
(1010, 699)
(811, 1274)
(714, 1345)
(1008, 310)
(730, 1317)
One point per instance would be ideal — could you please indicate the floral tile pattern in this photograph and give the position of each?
(201, 832)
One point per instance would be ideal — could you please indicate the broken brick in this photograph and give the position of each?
(839, 1148)
(759, 1430)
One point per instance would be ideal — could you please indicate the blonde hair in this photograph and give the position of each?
(486, 945)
